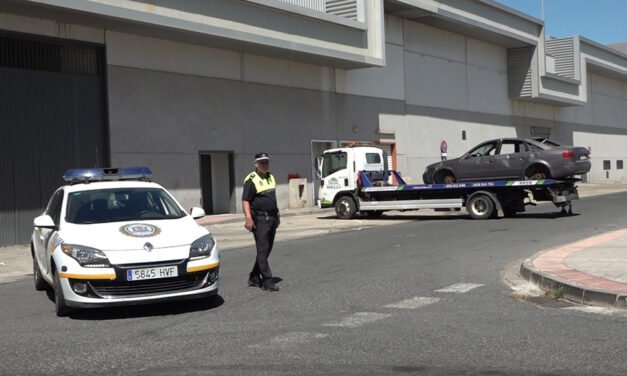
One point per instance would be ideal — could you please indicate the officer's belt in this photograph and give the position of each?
(265, 213)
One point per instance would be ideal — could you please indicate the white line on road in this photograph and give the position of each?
(460, 288)
(413, 303)
(359, 318)
(290, 339)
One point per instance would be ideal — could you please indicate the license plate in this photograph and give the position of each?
(583, 157)
(152, 273)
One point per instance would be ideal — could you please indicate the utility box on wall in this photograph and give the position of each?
(297, 193)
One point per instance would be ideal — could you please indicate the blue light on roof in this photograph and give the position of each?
(79, 175)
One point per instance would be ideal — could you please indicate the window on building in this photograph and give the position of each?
(607, 165)
(619, 164)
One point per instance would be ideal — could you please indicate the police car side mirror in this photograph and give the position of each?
(44, 221)
(197, 212)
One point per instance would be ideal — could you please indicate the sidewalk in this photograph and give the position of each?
(590, 271)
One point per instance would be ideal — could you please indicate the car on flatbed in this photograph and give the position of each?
(112, 237)
(511, 158)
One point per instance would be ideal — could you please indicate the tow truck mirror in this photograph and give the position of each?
(318, 166)
(44, 221)
(197, 212)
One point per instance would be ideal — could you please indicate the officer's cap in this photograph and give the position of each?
(262, 157)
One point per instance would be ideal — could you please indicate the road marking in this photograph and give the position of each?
(460, 288)
(413, 303)
(359, 319)
(290, 339)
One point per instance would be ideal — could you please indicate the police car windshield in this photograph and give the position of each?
(121, 204)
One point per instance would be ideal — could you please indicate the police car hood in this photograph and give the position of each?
(133, 236)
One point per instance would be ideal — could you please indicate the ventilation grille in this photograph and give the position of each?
(563, 52)
(341, 8)
(519, 72)
(309, 4)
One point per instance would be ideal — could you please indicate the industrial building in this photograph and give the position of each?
(193, 89)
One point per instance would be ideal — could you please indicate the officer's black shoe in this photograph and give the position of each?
(268, 285)
(254, 282)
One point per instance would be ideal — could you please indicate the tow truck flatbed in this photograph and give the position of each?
(483, 199)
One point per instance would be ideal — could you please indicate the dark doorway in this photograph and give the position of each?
(205, 183)
(217, 182)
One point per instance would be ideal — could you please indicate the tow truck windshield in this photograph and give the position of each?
(333, 162)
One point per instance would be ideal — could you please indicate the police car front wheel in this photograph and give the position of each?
(59, 300)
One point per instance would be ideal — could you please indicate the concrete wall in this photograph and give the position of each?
(50, 28)
(169, 100)
(600, 124)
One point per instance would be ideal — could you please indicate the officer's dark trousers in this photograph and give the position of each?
(265, 229)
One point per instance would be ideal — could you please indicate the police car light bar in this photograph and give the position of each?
(85, 175)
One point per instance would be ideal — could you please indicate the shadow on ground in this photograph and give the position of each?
(146, 310)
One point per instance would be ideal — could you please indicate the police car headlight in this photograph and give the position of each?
(202, 247)
(86, 256)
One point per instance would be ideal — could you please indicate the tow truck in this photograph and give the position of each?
(357, 180)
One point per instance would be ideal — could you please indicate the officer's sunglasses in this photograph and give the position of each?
(264, 162)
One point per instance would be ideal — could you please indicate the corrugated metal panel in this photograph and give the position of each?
(318, 5)
(564, 53)
(50, 121)
(343, 8)
(519, 72)
(620, 47)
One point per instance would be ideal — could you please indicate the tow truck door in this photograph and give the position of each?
(335, 174)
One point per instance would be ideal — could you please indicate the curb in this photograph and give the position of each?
(570, 291)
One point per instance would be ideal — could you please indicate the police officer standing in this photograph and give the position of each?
(262, 218)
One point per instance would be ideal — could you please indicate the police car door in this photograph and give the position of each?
(45, 236)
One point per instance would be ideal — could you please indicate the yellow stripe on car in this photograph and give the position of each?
(191, 269)
(87, 276)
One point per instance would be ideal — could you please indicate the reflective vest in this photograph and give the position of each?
(261, 185)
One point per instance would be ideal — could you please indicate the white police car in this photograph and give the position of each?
(112, 237)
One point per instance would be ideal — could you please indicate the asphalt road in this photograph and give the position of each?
(421, 297)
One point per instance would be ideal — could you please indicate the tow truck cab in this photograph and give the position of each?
(338, 171)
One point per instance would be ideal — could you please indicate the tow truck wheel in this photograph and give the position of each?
(480, 207)
(345, 207)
